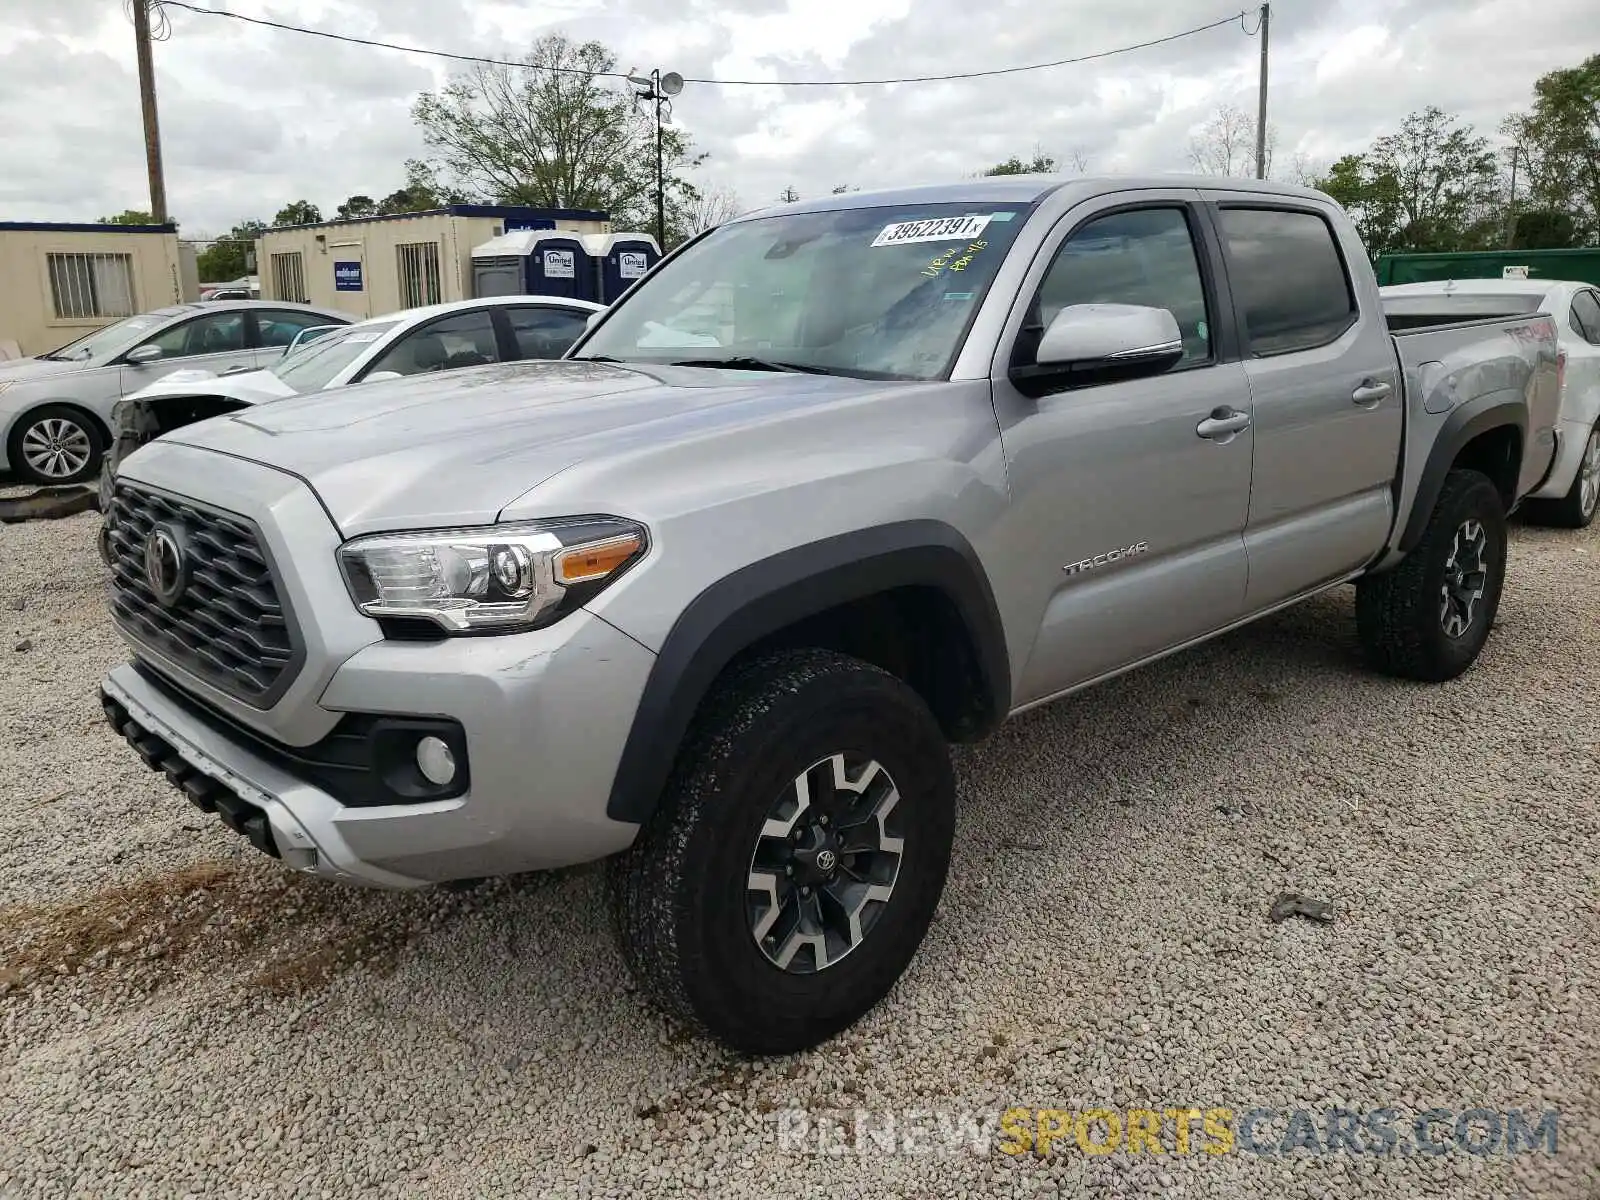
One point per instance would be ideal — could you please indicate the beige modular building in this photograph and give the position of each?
(369, 266)
(61, 281)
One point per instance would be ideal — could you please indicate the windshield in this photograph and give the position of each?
(103, 343)
(312, 365)
(874, 292)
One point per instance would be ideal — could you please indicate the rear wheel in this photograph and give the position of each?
(1576, 509)
(796, 860)
(55, 444)
(1429, 617)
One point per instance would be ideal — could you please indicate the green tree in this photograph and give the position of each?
(1432, 185)
(357, 206)
(422, 192)
(224, 259)
(1560, 141)
(1041, 164)
(133, 216)
(301, 212)
(1546, 229)
(559, 135)
(1370, 196)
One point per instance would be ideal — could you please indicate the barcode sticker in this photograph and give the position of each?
(932, 229)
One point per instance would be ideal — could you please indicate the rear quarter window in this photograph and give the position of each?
(1289, 279)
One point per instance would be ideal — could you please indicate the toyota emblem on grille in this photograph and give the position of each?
(165, 568)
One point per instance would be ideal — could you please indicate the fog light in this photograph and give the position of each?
(434, 760)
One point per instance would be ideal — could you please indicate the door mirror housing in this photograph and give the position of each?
(1101, 343)
(147, 353)
(379, 376)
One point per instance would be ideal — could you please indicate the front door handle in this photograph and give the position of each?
(1371, 391)
(1223, 423)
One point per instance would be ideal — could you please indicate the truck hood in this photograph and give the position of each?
(454, 448)
(247, 387)
(20, 370)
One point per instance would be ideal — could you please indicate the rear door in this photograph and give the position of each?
(1128, 507)
(1325, 392)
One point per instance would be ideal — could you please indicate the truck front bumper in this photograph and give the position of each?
(543, 714)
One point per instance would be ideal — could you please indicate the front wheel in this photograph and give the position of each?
(794, 864)
(1429, 617)
(55, 444)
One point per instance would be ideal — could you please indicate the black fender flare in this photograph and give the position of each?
(1468, 421)
(773, 593)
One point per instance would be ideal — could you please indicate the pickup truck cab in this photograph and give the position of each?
(835, 485)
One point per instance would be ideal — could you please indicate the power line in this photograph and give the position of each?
(500, 62)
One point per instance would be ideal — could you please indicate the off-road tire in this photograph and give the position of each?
(1568, 512)
(1398, 613)
(85, 425)
(679, 894)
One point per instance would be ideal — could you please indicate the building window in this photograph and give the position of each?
(289, 278)
(91, 286)
(419, 274)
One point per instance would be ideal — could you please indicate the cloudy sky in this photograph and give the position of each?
(252, 118)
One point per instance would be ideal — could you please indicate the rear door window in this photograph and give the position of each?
(1289, 279)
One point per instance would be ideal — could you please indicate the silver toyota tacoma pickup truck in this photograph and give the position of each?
(835, 485)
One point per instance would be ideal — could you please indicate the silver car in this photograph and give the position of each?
(55, 409)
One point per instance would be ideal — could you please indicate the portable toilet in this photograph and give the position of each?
(542, 262)
(619, 259)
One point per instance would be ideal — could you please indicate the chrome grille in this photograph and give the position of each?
(228, 626)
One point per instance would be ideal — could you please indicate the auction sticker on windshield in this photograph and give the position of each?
(931, 229)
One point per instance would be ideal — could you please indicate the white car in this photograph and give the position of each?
(438, 337)
(1570, 494)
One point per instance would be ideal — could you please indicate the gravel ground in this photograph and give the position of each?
(179, 1016)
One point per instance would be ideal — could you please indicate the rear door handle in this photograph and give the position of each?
(1371, 391)
(1223, 423)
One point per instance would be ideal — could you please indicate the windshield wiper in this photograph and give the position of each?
(744, 362)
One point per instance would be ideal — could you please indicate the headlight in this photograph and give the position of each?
(489, 580)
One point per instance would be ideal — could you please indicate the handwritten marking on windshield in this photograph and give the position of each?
(955, 259)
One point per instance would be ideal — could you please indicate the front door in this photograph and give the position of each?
(1128, 498)
(216, 342)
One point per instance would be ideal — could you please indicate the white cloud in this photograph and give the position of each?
(253, 118)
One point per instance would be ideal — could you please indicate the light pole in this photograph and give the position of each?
(659, 89)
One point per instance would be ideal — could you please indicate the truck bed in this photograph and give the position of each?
(1451, 358)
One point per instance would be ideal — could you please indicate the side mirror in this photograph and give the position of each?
(378, 376)
(147, 353)
(1101, 343)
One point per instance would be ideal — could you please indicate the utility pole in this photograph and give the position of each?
(1261, 99)
(1511, 201)
(147, 101)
